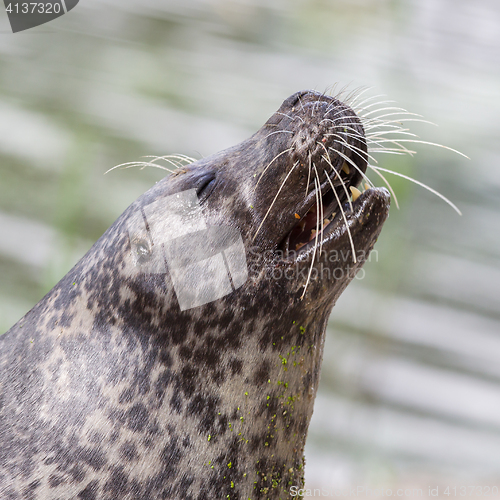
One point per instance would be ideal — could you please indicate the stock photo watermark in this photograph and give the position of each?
(24, 15)
(205, 263)
(333, 265)
(363, 491)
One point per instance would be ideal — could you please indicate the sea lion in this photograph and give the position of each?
(143, 376)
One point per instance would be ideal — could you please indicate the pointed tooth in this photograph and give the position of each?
(345, 168)
(355, 193)
(367, 186)
(326, 222)
(297, 216)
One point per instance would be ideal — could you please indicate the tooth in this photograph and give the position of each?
(313, 234)
(298, 246)
(345, 168)
(333, 215)
(367, 186)
(326, 222)
(355, 193)
(297, 216)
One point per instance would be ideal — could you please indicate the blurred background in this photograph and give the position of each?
(410, 389)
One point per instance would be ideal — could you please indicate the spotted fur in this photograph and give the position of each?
(108, 390)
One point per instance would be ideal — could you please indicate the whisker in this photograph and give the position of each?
(279, 132)
(378, 119)
(329, 161)
(275, 198)
(351, 147)
(348, 97)
(425, 186)
(366, 89)
(368, 99)
(142, 164)
(308, 174)
(388, 108)
(381, 133)
(315, 243)
(176, 160)
(380, 142)
(378, 103)
(341, 92)
(338, 120)
(289, 117)
(346, 158)
(319, 217)
(339, 112)
(387, 123)
(393, 151)
(388, 184)
(345, 219)
(356, 94)
(433, 144)
(270, 163)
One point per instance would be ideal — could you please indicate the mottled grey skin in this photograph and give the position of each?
(109, 391)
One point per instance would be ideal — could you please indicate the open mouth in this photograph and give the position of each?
(322, 212)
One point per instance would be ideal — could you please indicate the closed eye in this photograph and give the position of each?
(205, 186)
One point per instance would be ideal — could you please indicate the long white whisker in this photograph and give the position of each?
(382, 133)
(329, 161)
(388, 123)
(275, 198)
(425, 186)
(381, 120)
(380, 142)
(180, 157)
(378, 103)
(388, 184)
(345, 218)
(308, 174)
(352, 102)
(388, 108)
(368, 99)
(432, 144)
(270, 163)
(315, 243)
(319, 216)
(142, 164)
(353, 148)
(346, 158)
(391, 151)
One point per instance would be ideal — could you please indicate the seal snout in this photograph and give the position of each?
(328, 148)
